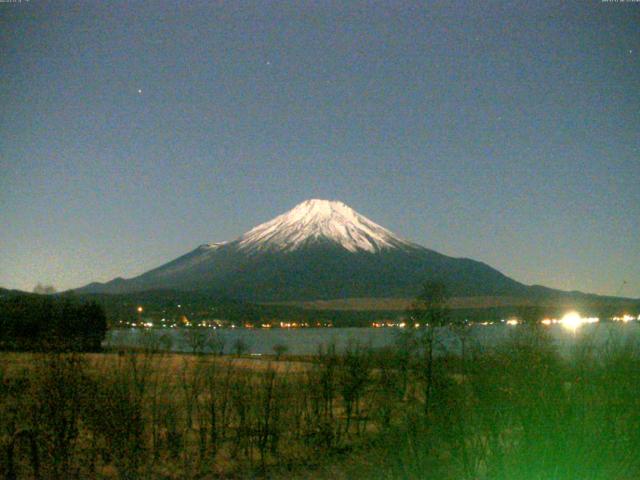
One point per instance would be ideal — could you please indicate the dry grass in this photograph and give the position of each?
(171, 362)
(520, 411)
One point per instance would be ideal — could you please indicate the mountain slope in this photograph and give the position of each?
(319, 250)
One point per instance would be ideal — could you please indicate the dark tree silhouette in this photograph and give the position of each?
(430, 310)
(36, 322)
(44, 289)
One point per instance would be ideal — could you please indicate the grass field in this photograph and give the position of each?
(518, 411)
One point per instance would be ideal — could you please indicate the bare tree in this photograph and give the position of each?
(430, 310)
(44, 289)
(240, 347)
(280, 349)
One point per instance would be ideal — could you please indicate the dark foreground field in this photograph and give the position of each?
(519, 411)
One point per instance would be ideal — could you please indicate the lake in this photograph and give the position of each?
(306, 341)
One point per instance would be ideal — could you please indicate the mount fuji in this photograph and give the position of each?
(319, 250)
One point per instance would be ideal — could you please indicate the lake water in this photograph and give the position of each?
(305, 341)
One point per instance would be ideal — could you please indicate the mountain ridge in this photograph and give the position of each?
(320, 250)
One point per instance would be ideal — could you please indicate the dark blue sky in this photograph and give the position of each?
(508, 132)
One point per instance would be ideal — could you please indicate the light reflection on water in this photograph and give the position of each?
(306, 341)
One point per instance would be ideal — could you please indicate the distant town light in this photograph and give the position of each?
(573, 320)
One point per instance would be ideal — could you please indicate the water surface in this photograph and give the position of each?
(307, 341)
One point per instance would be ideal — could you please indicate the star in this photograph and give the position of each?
(139, 91)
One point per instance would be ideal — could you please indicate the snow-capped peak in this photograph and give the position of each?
(320, 220)
(213, 246)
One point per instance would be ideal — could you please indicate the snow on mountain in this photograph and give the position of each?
(314, 220)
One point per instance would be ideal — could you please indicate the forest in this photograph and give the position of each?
(44, 322)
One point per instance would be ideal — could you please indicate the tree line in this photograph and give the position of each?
(39, 322)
